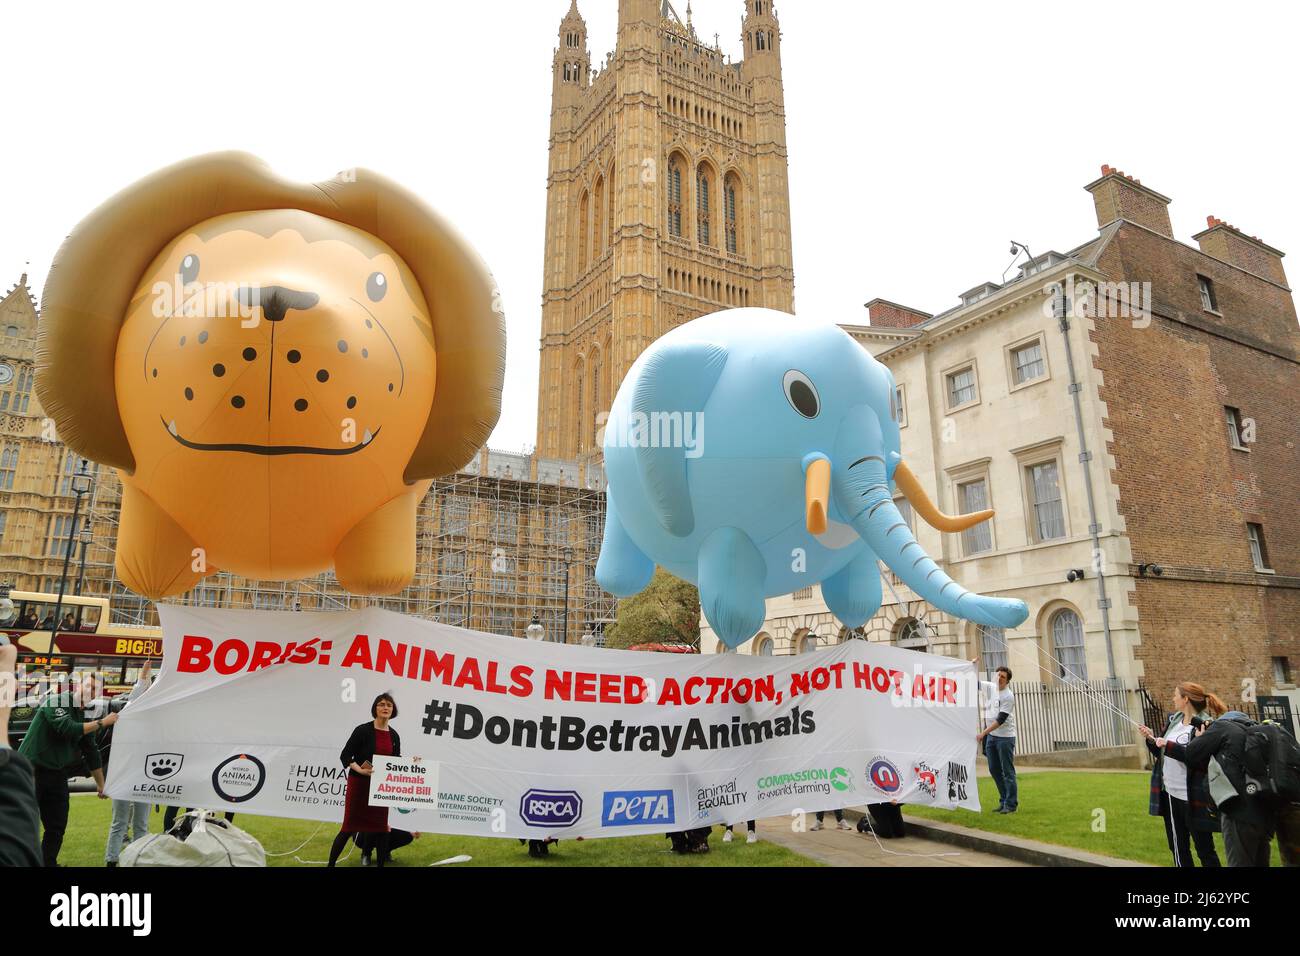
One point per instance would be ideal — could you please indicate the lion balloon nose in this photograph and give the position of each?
(277, 301)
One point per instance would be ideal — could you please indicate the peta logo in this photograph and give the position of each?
(133, 910)
(630, 808)
(553, 809)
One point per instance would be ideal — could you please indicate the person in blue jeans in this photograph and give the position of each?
(999, 740)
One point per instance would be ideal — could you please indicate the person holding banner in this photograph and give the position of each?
(374, 737)
(999, 740)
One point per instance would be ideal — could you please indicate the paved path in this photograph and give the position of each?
(850, 848)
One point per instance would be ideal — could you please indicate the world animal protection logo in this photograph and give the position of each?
(884, 776)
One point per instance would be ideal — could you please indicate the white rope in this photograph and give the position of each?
(300, 845)
(866, 815)
(1082, 686)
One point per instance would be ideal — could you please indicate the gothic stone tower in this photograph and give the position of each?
(667, 198)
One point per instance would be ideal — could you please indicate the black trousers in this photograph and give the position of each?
(1181, 836)
(52, 800)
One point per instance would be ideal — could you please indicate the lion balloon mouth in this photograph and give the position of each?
(271, 450)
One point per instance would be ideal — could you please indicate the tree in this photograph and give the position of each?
(666, 612)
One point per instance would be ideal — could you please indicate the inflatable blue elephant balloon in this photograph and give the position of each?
(754, 453)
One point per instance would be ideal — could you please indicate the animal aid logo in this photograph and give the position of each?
(627, 808)
(957, 778)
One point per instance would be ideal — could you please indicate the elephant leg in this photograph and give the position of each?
(378, 555)
(853, 592)
(622, 568)
(155, 556)
(731, 575)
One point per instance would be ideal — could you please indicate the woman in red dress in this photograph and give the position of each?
(368, 740)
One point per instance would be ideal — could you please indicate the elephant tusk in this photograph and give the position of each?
(912, 490)
(817, 491)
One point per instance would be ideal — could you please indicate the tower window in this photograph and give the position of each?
(729, 201)
(705, 209)
(674, 198)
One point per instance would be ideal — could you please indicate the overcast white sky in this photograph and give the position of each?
(922, 136)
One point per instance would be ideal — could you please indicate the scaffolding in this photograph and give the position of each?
(507, 538)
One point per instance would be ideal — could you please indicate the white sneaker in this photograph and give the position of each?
(845, 825)
(816, 826)
(726, 837)
(752, 837)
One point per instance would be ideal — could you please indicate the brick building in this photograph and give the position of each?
(1203, 407)
(1153, 444)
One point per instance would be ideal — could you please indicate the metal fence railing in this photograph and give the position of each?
(1079, 715)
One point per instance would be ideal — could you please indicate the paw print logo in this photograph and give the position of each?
(162, 766)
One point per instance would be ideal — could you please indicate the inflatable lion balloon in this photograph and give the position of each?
(277, 370)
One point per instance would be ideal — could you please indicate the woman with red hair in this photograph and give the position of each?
(1179, 793)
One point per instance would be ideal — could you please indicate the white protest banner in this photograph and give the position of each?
(404, 782)
(532, 739)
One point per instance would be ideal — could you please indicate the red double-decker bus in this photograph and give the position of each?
(83, 640)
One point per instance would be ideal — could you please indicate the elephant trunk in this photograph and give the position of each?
(863, 495)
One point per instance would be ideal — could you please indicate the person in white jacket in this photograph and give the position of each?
(129, 816)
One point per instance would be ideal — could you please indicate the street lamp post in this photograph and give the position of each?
(535, 631)
(568, 560)
(82, 482)
(85, 544)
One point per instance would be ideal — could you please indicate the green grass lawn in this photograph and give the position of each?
(1102, 813)
(89, 819)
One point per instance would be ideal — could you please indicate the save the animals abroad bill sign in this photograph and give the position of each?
(507, 737)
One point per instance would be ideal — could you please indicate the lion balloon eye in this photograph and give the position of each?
(189, 268)
(802, 394)
(377, 286)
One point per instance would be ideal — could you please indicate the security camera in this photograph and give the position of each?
(1074, 574)
(1154, 570)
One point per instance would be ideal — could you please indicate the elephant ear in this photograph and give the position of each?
(676, 381)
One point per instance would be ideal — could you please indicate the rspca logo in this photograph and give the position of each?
(162, 766)
(631, 808)
(550, 809)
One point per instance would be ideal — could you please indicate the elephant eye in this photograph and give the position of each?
(189, 268)
(377, 286)
(802, 394)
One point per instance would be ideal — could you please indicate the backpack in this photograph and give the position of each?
(1272, 762)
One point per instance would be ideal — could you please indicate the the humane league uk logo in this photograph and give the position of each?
(552, 809)
(630, 808)
(78, 909)
(239, 778)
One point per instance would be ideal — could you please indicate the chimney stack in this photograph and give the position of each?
(1225, 241)
(1120, 196)
(890, 315)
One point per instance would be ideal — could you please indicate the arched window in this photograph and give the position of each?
(675, 197)
(704, 200)
(807, 643)
(762, 40)
(582, 234)
(12, 331)
(596, 401)
(911, 634)
(993, 650)
(599, 209)
(1067, 640)
(582, 415)
(609, 224)
(763, 646)
(730, 203)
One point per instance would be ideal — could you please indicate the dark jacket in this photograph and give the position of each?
(1224, 742)
(55, 739)
(361, 745)
(1202, 814)
(19, 825)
